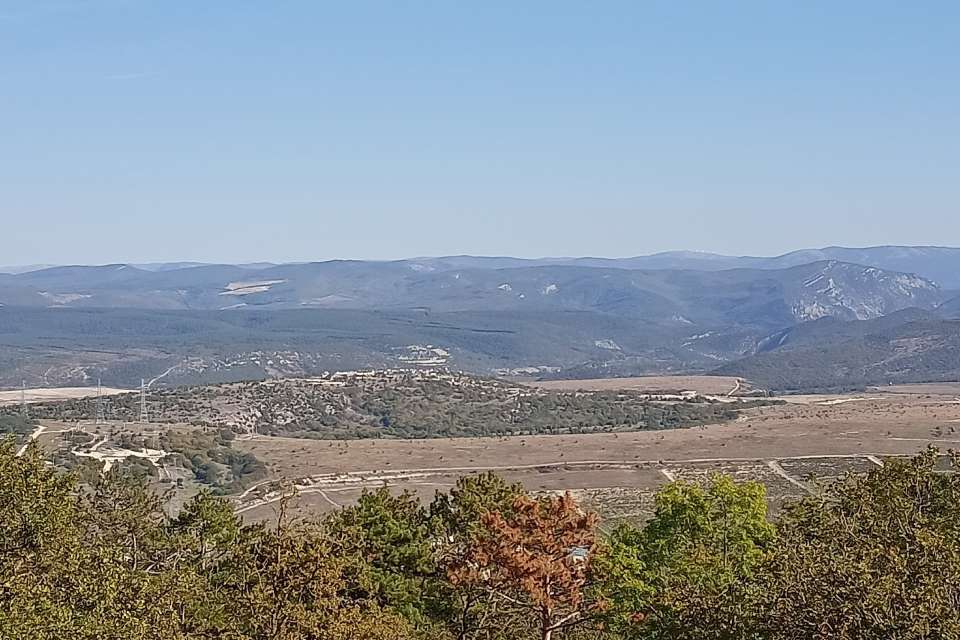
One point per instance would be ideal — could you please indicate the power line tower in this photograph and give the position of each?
(100, 419)
(23, 398)
(143, 401)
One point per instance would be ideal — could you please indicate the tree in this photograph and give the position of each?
(388, 539)
(81, 564)
(535, 561)
(458, 523)
(286, 583)
(873, 557)
(106, 563)
(691, 571)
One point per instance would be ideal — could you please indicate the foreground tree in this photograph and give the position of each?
(872, 557)
(875, 557)
(284, 583)
(83, 563)
(387, 544)
(691, 571)
(105, 563)
(535, 562)
(458, 522)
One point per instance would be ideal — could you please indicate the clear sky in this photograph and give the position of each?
(234, 130)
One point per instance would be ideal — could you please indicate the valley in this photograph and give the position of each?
(889, 314)
(789, 446)
(604, 377)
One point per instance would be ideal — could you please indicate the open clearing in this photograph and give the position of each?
(48, 395)
(704, 385)
(787, 447)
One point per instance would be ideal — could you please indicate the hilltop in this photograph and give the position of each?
(402, 404)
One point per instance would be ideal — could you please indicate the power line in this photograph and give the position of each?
(100, 419)
(143, 401)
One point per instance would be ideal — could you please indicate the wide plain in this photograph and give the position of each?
(787, 447)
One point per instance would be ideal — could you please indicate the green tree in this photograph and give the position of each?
(389, 542)
(81, 564)
(458, 518)
(287, 583)
(874, 557)
(691, 571)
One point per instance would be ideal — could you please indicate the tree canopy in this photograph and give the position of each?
(872, 556)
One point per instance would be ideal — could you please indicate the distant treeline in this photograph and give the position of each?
(873, 557)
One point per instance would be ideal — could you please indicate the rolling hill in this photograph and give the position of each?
(751, 296)
(828, 354)
(186, 323)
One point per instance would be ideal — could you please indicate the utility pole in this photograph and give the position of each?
(23, 398)
(143, 401)
(100, 419)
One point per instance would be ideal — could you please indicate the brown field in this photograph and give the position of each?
(932, 388)
(791, 448)
(787, 447)
(705, 385)
(47, 395)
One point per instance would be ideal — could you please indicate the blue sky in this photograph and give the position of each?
(304, 130)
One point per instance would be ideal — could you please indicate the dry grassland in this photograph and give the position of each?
(705, 385)
(787, 447)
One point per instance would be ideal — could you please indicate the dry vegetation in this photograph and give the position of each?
(405, 404)
(790, 447)
(704, 385)
(617, 473)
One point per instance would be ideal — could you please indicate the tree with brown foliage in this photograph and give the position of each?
(535, 562)
(458, 522)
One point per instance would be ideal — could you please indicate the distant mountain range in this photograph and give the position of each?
(939, 264)
(777, 321)
(753, 296)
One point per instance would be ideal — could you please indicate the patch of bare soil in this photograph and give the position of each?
(11, 397)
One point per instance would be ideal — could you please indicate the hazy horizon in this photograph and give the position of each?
(267, 261)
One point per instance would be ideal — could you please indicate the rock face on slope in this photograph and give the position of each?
(853, 292)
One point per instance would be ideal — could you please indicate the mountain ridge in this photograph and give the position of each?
(796, 293)
(185, 323)
(934, 262)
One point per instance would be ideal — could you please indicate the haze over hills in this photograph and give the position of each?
(939, 264)
(767, 319)
(801, 292)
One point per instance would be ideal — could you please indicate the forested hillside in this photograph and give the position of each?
(190, 324)
(874, 557)
(402, 404)
(909, 346)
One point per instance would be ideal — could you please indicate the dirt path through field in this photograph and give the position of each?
(866, 431)
(878, 427)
